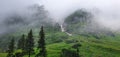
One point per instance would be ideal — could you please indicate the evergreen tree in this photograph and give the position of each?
(21, 43)
(11, 48)
(29, 45)
(41, 43)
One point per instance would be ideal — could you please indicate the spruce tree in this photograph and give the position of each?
(41, 43)
(11, 48)
(21, 43)
(29, 45)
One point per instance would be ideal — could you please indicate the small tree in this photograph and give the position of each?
(69, 53)
(11, 48)
(41, 44)
(29, 45)
(18, 54)
(76, 46)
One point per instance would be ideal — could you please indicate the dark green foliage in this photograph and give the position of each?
(11, 48)
(68, 41)
(41, 44)
(29, 45)
(18, 54)
(76, 46)
(21, 43)
(69, 53)
(41, 41)
(10, 55)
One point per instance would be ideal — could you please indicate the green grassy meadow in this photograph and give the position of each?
(91, 47)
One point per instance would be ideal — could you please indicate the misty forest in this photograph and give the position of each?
(59, 28)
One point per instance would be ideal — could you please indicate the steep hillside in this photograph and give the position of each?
(82, 22)
(77, 29)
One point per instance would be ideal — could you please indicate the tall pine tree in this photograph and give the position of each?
(11, 48)
(29, 45)
(21, 43)
(41, 44)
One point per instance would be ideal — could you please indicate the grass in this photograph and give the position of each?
(91, 47)
(3, 54)
(88, 49)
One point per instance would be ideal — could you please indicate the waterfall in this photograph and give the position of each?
(63, 30)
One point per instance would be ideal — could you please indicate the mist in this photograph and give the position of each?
(106, 12)
(15, 14)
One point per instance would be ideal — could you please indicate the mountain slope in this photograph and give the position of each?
(97, 43)
(82, 22)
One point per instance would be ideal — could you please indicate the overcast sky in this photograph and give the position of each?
(109, 10)
(9, 6)
(60, 8)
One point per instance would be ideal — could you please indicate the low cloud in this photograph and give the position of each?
(106, 12)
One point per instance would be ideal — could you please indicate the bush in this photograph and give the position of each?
(69, 53)
(18, 54)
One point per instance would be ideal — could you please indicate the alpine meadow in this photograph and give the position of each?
(59, 28)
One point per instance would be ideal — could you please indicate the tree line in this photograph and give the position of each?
(26, 45)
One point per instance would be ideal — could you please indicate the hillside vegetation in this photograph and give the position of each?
(89, 44)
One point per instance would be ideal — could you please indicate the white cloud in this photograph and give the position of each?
(109, 15)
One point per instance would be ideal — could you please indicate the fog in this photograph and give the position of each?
(11, 8)
(106, 12)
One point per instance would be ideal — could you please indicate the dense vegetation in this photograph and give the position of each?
(51, 42)
(104, 47)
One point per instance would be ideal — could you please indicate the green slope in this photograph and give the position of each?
(91, 47)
